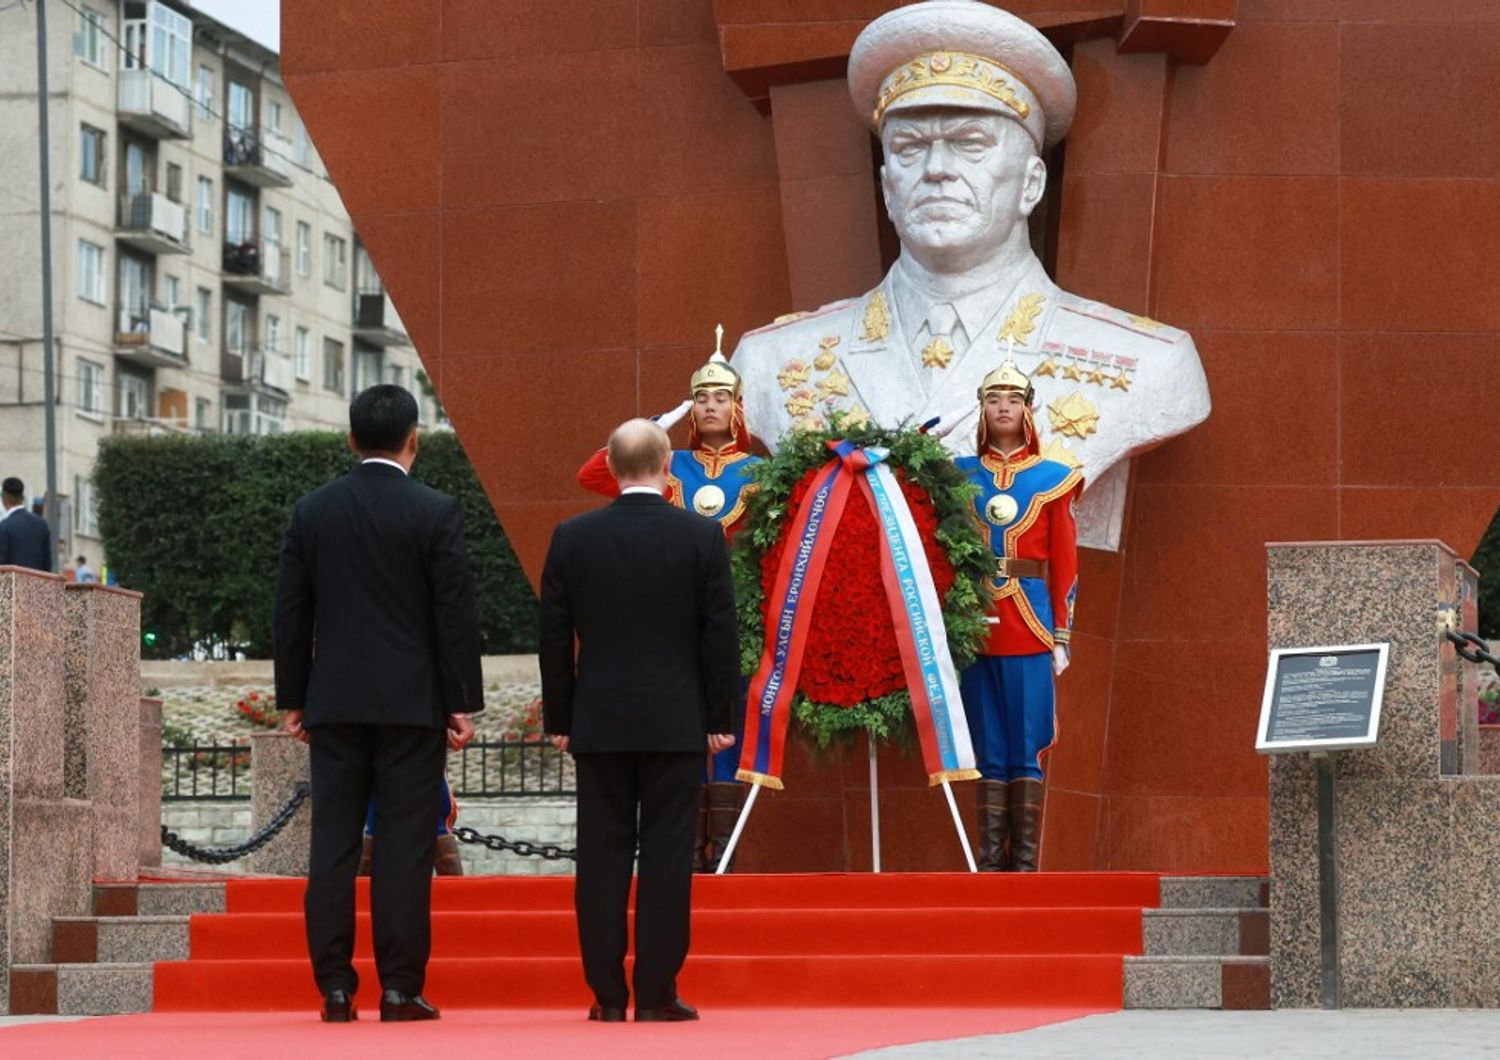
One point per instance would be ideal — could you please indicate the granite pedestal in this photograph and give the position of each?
(279, 763)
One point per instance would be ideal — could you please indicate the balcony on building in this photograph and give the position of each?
(150, 428)
(154, 107)
(375, 319)
(150, 335)
(256, 265)
(257, 157)
(258, 369)
(155, 94)
(152, 222)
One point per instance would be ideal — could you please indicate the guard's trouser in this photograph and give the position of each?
(1008, 700)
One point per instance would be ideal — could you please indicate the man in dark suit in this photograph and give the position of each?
(373, 569)
(25, 539)
(645, 589)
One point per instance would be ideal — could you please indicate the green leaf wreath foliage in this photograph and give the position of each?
(924, 462)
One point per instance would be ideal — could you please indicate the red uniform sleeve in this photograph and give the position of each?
(1062, 563)
(595, 475)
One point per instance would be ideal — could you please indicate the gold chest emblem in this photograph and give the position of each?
(709, 501)
(1001, 509)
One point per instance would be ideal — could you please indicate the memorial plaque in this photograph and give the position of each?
(1322, 699)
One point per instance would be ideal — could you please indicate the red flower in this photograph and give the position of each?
(851, 653)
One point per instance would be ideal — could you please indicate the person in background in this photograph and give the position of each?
(25, 538)
(83, 572)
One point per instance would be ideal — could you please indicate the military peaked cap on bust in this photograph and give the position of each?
(962, 53)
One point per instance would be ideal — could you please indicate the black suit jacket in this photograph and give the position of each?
(375, 620)
(645, 588)
(25, 541)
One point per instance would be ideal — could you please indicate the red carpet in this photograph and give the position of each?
(792, 1034)
(825, 941)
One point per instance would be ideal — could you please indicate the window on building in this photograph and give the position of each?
(396, 375)
(273, 116)
(91, 154)
(304, 249)
(132, 396)
(91, 42)
(91, 272)
(335, 261)
(369, 369)
(241, 114)
(273, 333)
(203, 410)
(333, 365)
(272, 231)
(203, 92)
(90, 388)
(171, 45)
(236, 327)
(85, 507)
(239, 217)
(174, 182)
(204, 207)
(301, 145)
(171, 291)
(203, 312)
(253, 414)
(302, 354)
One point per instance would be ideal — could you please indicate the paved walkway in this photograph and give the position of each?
(1362, 1034)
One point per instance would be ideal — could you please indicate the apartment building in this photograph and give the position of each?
(206, 275)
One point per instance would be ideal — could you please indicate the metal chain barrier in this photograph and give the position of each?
(223, 855)
(1474, 648)
(549, 851)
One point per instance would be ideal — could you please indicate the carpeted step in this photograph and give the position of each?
(743, 932)
(893, 890)
(725, 982)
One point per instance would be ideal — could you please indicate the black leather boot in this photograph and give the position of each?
(994, 827)
(1025, 823)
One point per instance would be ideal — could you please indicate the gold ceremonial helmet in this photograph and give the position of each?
(716, 373)
(1008, 377)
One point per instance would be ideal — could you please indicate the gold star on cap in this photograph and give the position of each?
(793, 373)
(937, 353)
(1120, 382)
(1074, 416)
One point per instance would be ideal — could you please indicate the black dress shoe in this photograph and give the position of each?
(601, 1014)
(396, 1007)
(674, 1011)
(338, 1007)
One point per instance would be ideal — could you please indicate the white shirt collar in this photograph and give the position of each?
(383, 460)
(5, 512)
(640, 489)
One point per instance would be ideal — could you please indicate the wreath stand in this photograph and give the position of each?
(958, 824)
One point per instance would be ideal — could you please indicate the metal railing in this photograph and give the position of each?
(490, 769)
(510, 769)
(217, 773)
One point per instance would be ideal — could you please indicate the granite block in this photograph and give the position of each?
(115, 899)
(179, 899)
(1473, 914)
(1295, 955)
(1211, 892)
(1172, 982)
(133, 940)
(1489, 750)
(278, 763)
(149, 795)
(33, 684)
(33, 991)
(1245, 983)
(103, 989)
(75, 939)
(51, 869)
(1255, 933)
(1190, 932)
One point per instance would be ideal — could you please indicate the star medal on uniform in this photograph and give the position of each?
(793, 373)
(834, 383)
(1120, 382)
(937, 353)
(1074, 416)
(1001, 509)
(800, 403)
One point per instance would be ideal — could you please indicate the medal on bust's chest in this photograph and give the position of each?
(1001, 509)
(708, 500)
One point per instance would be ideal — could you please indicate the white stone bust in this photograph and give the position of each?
(964, 97)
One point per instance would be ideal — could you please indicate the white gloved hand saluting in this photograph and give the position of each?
(667, 420)
(944, 425)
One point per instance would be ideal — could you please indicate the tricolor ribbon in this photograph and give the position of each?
(915, 612)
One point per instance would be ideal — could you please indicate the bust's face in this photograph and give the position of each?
(958, 183)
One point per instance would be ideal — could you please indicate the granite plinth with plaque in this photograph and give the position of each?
(1320, 700)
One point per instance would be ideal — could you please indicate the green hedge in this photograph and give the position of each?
(196, 525)
(1487, 562)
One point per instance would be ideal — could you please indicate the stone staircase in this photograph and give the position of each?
(1207, 947)
(102, 964)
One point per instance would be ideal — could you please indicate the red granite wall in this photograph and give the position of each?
(565, 196)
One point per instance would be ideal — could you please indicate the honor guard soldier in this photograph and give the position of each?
(1025, 510)
(710, 477)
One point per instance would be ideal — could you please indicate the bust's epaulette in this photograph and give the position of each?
(1132, 322)
(797, 318)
